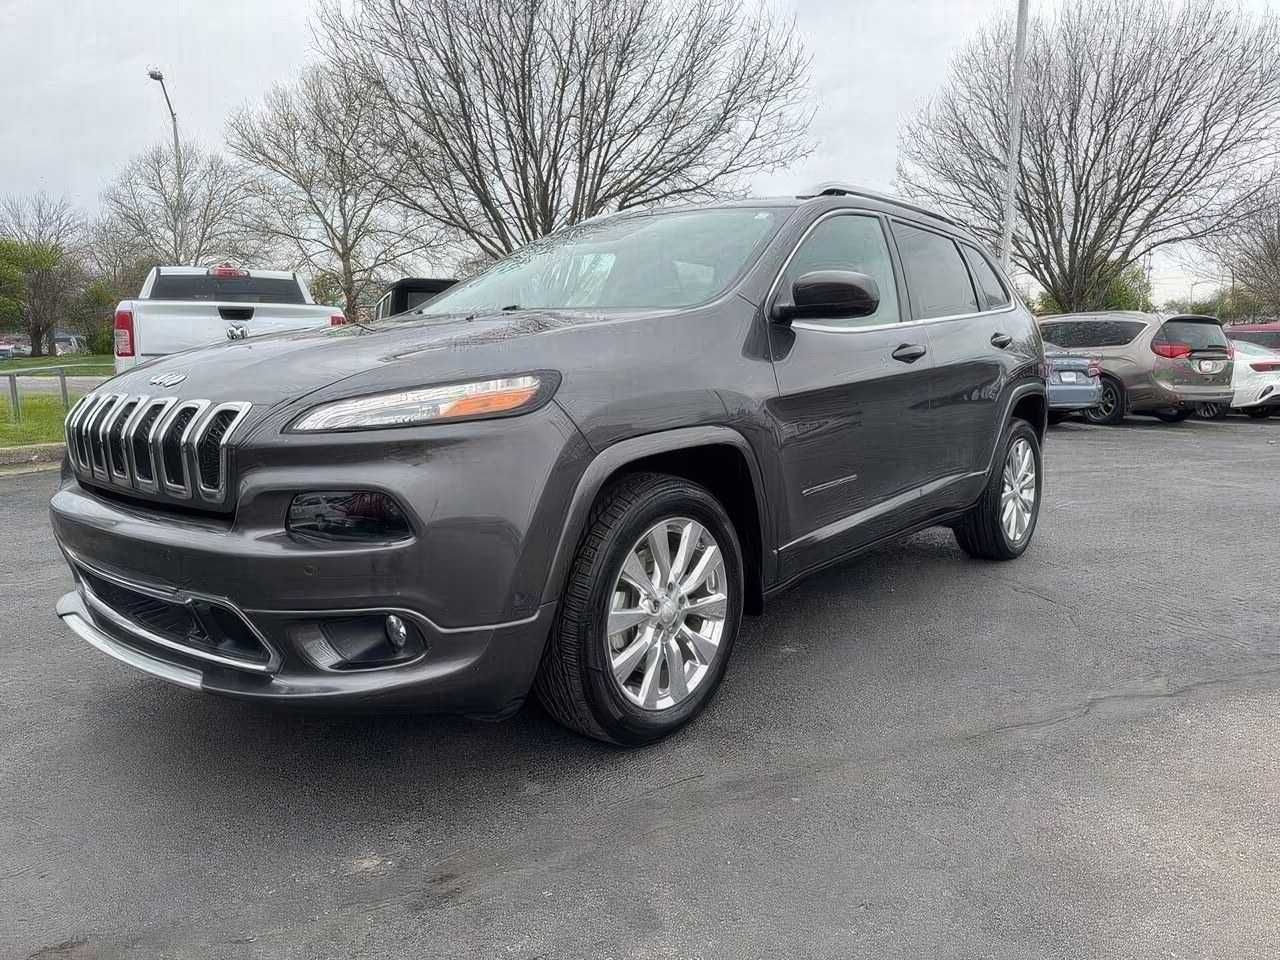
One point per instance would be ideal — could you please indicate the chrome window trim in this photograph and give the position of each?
(182, 597)
(219, 492)
(840, 328)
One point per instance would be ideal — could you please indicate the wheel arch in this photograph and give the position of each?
(716, 457)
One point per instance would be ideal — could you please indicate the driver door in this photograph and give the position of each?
(852, 410)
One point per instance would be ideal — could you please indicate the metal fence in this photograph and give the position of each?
(61, 371)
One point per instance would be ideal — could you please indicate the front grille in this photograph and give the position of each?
(154, 445)
(205, 629)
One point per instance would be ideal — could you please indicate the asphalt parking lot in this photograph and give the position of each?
(914, 755)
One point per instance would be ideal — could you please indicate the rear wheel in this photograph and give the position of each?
(1110, 409)
(1000, 525)
(1211, 411)
(649, 614)
(1173, 416)
(1258, 413)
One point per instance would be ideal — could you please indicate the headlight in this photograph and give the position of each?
(457, 401)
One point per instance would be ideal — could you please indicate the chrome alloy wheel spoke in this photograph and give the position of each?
(1018, 491)
(667, 614)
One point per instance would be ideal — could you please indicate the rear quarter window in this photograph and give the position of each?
(198, 286)
(1091, 333)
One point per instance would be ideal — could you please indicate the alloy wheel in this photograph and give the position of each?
(1018, 491)
(667, 614)
(1106, 407)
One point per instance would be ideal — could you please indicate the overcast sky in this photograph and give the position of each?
(77, 102)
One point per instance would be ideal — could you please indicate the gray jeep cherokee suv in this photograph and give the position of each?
(571, 474)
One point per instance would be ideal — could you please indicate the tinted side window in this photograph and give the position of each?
(984, 275)
(1091, 333)
(849, 242)
(936, 275)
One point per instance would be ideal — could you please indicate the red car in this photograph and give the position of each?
(1263, 334)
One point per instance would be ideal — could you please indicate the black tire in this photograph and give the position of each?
(1173, 416)
(574, 681)
(980, 532)
(1111, 409)
(1258, 413)
(1211, 411)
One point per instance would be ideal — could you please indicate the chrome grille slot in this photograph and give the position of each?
(211, 447)
(157, 445)
(175, 469)
(140, 444)
(116, 460)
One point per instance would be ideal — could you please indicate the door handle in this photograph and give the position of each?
(910, 352)
(1001, 340)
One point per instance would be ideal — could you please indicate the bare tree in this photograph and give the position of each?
(187, 208)
(314, 148)
(40, 268)
(511, 118)
(1249, 251)
(1146, 123)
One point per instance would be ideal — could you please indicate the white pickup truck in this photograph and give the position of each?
(184, 307)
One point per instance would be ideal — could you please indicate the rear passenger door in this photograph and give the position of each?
(967, 323)
(852, 403)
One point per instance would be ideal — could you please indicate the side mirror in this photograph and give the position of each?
(829, 295)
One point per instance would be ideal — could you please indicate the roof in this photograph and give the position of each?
(833, 188)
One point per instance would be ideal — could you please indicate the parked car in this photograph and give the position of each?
(571, 474)
(407, 294)
(1075, 382)
(1164, 366)
(184, 307)
(1255, 383)
(1263, 334)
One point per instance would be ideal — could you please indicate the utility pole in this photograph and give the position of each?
(1015, 136)
(179, 177)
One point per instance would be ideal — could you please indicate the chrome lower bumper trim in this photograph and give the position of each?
(72, 610)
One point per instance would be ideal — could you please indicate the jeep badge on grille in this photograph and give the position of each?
(167, 379)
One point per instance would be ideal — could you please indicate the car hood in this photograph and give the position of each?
(280, 368)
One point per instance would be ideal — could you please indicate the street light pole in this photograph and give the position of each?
(1015, 136)
(156, 75)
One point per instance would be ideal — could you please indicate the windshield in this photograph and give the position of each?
(637, 261)
(1197, 334)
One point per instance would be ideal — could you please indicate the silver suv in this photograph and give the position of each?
(1151, 363)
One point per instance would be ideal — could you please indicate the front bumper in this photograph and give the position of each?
(485, 671)
(484, 499)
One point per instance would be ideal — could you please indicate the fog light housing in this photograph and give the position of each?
(348, 515)
(359, 643)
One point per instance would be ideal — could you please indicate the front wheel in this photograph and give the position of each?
(1110, 409)
(649, 614)
(1000, 525)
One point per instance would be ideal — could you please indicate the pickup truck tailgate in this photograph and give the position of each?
(167, 326)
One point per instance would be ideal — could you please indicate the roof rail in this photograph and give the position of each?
(833, 188)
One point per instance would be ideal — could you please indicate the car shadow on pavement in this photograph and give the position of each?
(272, 769)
